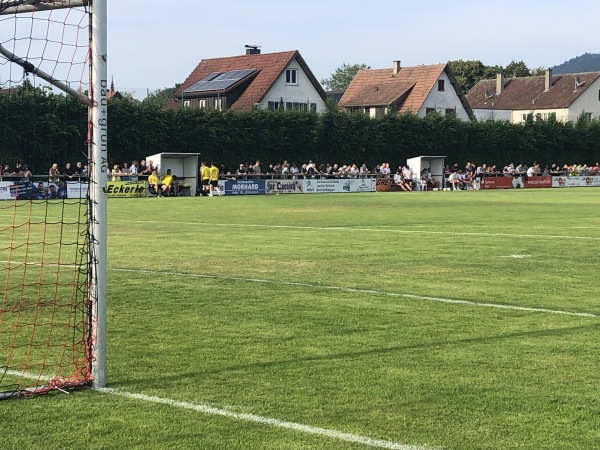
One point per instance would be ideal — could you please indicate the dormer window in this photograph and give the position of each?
(291, 76)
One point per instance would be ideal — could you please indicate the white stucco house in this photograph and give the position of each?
(280, 80)
(564, 97)
(420, 90)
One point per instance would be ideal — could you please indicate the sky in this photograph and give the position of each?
(155, 44)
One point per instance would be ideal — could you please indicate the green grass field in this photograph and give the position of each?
(456, 320)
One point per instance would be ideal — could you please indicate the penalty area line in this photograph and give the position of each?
(211, 410)
(333, 434)
(366, 291)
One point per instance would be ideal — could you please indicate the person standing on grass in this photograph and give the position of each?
(214, 179)
(205, 176)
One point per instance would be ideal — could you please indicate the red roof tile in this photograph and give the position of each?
(380, 87)
(269, 67)
(528, 93)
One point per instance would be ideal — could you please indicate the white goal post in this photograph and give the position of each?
(95, 98)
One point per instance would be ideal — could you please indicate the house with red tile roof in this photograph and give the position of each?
(564, 97)
(420, 90)
(274, 81)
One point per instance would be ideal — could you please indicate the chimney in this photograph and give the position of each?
(499, 83)
(252, 49)
(395, 67)
(548, 78)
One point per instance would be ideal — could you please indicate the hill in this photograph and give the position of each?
(588, 62)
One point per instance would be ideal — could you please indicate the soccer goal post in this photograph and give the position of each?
(53, 232)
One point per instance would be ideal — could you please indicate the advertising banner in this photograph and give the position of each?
(76, 189)
(339, 185)
(538, 182)
(7, 190)
(284, 186)
(244, 187)
(41, 190)
(497, 182)
(575, 181)
(384, 184)
(126, 189)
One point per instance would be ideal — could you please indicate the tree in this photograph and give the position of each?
(160, 97)
(467, 73)
(343, 75)
(517, 68)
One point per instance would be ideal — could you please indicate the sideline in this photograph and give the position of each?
(365, 291)
(205, 409)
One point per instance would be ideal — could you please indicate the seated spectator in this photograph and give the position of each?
(400, 182)
(454, 181)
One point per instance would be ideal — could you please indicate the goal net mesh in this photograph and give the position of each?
(45, 262)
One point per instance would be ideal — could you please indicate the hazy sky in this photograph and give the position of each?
(155, 44)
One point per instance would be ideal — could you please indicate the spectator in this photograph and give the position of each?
(294, 171)
(363, 171)
(68, 172)
(78, 170)
(400, 181)
(53, 173)
(144, 170)
(116, 173)
(133, 171)
(256, 170)
(454, 181)
(241, 172)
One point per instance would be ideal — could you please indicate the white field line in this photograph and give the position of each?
(211, 410)
(376, 230)
(365, 291)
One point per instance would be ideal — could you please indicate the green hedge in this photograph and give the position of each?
(33, 130)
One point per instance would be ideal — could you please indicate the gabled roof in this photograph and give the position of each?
(528, 93)
(408, 89)
(268, 67)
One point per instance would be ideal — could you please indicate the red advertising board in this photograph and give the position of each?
(538, 182)
(384, 184)
(497, 183)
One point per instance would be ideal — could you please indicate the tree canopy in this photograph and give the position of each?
(343, 75)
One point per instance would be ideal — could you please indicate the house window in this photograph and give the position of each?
(202, 103)
(441, 85)
(429, 111)
(273, 106)
(526, 117)
(291, 76)
(588, 117)
(219, 104)
(538, 116)
(186, 103)
(547, 116)
(451, 112)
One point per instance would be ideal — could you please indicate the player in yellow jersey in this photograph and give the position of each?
(214, 179)
(153, 183)
(205, 176)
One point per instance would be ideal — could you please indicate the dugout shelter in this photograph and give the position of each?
(184, 165)
(434, 163)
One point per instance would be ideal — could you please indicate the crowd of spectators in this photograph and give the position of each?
(455, 177)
